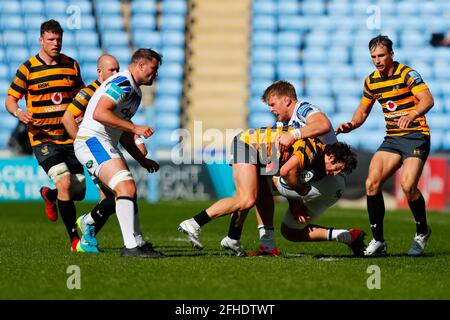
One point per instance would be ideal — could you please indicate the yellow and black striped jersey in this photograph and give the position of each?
(264, 140)
(396, 94)
(48, 89)
(78, 105)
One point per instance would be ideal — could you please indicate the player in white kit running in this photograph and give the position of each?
(106, 122)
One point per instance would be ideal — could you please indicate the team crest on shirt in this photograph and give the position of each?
(89, 164)
(44, 150)
(57, 98)
(391, 106)
(113, 150)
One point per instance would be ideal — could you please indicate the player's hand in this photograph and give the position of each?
(24, 116)
(405, 121)
(345, 127)
(285, 141)
(144, 131)
(150, 165)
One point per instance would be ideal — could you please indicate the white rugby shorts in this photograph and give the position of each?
(93, 152)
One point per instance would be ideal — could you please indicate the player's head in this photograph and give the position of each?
(107, 65)
(381, 53)
(281, 97)
(51, 38)
(144, 66)
(339, 158)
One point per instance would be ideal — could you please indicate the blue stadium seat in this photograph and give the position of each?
(257, 86)
(317, 71)
(341, 71)
(86, 38)
(85, 6)
(174, 6)
(174, 38)
(172, 22)
(167, 104)
(261, 119)
(295, 23)
(326, 104)
(264, 38)
(255, 104)
(262, 71)
(32, 7)
(290, 71)
(4, 72)
(289, 7)
(264, 7)
(411, 38)
(111, 7)
(167, 120)
(10, 22)
(288, 54)
(317, 39)
(16, 54)
(342, 37)
(14, 38)
(446, 141)
(173, 54)
(7, 123)
(89, 54)
(318, 88)
(33, 22)
(53, 7)
(313, 7)
(290, 38)
(2, 55)
(165, 139)
(122, 54)
(147, 39)
(147, 7)
(71, 51)
(10, 7)
(338, 54)
(114, 38)
(345, 103)
(339, 8)
(347, 87)
(263, 54)
(4, 86)
(359, 8)
(405, 8)
(166, 87)
(143, 21)
(110, 22)
(171, 70)
(89, 71)
(264, 22)
(314, 55)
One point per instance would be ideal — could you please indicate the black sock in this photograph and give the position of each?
(52, 194)
(101, 212)
(234, 232)
(202, 218)
(420, 215)
(376, 210)
(68, 213)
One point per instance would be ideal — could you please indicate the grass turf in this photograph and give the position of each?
(35, 255)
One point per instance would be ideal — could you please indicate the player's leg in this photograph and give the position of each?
(382, 166)
(409, 179)
(246, 181)
(115, 174)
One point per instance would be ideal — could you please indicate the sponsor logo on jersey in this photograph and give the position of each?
(89, 164)
(57, 98)
(391, 106)
(44, 150)
(43, 85)
(306, 176)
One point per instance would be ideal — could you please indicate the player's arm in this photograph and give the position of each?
(359, 117)
(70, 124)
(424, 104)
(127, 140)
(290, 174)
(104, 113)
(12, 107)
(317, 124)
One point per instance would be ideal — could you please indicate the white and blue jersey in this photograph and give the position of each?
(120, 88)
(96, 143)
(303, 110)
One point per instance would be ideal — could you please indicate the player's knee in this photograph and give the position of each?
(247, 202)
(409, 189)
(63, 184)
(60, 176)
(122, 183)
(290, 234)
(78, 186)
(372, 186)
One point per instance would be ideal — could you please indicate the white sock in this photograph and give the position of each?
(138, 232)
(266, 236)
(339, 235)
(88, 219)
(125, 215)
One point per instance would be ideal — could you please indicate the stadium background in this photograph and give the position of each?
(219, 56)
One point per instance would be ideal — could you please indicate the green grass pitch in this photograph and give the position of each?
(34, 258)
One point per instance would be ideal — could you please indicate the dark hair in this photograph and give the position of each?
(381, 40)
(148, 54)
(279, 88)
(342, 153)
(52, 26)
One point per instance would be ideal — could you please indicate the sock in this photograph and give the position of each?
(376, 210)
(69, 216)
(102, 211)
(339, 235)
(202, 218)
(420, 216)
(266, 236)
(52, 194)
(125, 215)
(233, 231)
